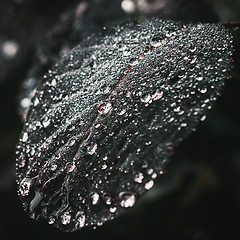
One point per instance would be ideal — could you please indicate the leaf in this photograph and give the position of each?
(105, 120)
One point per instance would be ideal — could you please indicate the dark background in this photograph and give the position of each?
(197, 198)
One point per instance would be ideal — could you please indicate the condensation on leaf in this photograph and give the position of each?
(105, 119)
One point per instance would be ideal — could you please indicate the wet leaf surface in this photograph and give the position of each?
(105, 120)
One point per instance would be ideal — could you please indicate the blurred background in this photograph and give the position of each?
(199, 195)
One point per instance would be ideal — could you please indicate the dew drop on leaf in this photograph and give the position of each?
(105, 119)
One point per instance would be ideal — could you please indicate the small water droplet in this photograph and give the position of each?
(54, 83)
(36, 102)
(193, 49)
(200, 78)
(25, 137)
(70, 167)
(149, 185)
(204, 90)
(95, 198)
(92, 149)
(122, 112)
(104, 166)
(146, 99)
(24, 187)
(51, 220)
(46, 122)
(203, 118)
(138, 178)
(105, 108)
(156, 96)
(107, 198)
(128, 199)
(113, 209)
(80, 219)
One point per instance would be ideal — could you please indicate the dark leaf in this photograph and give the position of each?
(105, 120)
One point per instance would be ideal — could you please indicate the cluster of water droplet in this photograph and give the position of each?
(103, 122)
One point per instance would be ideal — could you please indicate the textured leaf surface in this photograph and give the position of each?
(104, 121)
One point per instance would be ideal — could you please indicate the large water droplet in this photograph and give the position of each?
(25, 186)
(80, 219)
(66, 218)
(128, 199)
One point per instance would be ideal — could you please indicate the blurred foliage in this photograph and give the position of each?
(197, 198)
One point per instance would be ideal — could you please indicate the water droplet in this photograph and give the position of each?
(122, 112)
(220, 60)
(128, 199)
(113, 209)
(70, 167)
(80, 218)
(36, 102)
(156, 96)
(51, 220)
(199, 78)
(46, 122)
(177, 109)
(138, 178)
(104, 166)
(95, 198)
(54, 83)
(66, 218)
(193, 49)
(149, 185)
(25, 137)
(203, 118)
(105, 108)
(92, 149)
(107, 198)
(146, 99)
(25, 186)
(204, 90)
